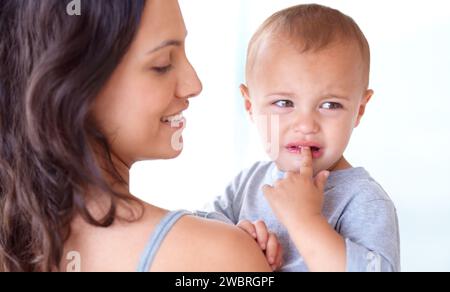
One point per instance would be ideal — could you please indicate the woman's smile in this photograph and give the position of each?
(176, 121)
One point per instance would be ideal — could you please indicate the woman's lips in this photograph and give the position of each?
(176, 121)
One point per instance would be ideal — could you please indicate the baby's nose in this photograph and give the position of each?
(306, 125)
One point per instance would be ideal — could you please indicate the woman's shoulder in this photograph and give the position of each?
(192, 244)
(197, 244)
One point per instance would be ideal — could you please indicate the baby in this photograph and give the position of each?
(307, 89)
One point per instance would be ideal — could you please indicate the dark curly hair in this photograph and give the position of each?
(52, 67)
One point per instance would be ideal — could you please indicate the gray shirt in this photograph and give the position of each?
(355, 205)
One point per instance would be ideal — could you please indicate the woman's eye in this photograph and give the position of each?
(331, 106)
(162, 70)
(284, 103)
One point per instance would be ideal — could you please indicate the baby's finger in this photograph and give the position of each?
(248, 227)
(306, 167)
(321, 180)
(262, 234)
(272, 249)
(279, 260)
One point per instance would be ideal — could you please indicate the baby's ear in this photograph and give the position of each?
(248, 102)
(362, 108)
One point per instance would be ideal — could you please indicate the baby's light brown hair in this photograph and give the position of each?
(310, 27)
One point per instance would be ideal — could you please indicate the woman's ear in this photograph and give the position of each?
(248, 102)
(362, 107)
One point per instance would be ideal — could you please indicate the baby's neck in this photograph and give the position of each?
(342, 164)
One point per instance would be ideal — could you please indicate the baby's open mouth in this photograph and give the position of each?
(316, 150)
(299, 149)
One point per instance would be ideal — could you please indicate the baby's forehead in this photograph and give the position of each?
(278, 44)
(309, 28)
(294, 53)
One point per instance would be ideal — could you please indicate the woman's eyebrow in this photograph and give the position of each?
(168, 43)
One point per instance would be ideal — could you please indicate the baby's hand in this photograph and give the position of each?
(298, 198)
(267, 241)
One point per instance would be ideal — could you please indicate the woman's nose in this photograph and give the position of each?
(189, 85)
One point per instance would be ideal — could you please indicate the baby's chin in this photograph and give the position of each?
(294, 166)
(288, 166)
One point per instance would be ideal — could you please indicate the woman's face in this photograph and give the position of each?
(140, 108)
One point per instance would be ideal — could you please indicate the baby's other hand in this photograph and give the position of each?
(268, 242)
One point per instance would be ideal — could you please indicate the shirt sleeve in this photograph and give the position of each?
(371, 235)
(225, 207)
(230, 205)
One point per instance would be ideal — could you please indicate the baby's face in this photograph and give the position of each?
(312, 99)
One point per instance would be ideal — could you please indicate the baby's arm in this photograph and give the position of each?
(370, 229)
(368, 237)
(297, 201)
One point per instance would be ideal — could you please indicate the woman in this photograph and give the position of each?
(82, 98)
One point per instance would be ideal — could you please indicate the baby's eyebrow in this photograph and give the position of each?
(338, 96)
(285, 94)
(322, 96)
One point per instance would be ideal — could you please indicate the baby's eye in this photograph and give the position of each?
(331, 106)
(284, 103)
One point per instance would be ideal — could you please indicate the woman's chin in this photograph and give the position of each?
(170, 150)
(166, 154)
(171, 154)
(175, 155)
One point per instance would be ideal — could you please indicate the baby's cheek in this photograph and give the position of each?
(338, 133)
(342, 142)
(331, 156)
(287, 163)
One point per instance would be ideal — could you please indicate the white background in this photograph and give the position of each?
(403, 140)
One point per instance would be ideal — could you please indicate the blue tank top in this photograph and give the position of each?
(157, 239)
